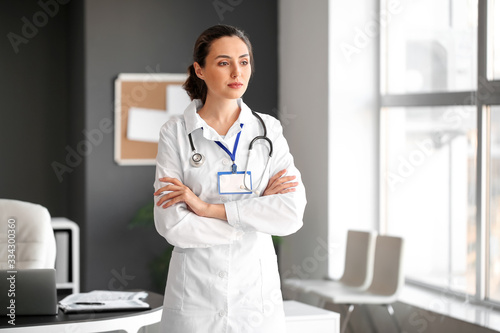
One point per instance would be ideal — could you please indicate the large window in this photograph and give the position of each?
(430, 46)
(494, 206)
(430, 184)
(440, 141)
(494, 40)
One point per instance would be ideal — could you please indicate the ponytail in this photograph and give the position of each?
(194, 86)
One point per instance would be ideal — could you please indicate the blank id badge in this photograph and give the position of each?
(232, 183)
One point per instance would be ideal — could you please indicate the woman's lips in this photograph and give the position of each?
(235, 85)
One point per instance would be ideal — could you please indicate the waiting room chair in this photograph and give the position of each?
(357, 275)
(35, 245)
(387, 283)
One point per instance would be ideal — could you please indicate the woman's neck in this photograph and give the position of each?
(220, 115)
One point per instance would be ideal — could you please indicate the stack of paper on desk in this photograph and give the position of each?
(103, 300)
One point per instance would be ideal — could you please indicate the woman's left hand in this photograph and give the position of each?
(280, 184)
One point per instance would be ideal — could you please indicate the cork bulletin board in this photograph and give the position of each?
(144, 102)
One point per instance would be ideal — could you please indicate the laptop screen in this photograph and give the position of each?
(28, 292)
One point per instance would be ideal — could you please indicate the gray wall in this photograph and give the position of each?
(69, 68)
(34, 103)
(304, 102)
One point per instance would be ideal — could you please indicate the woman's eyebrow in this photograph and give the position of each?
(229, 57)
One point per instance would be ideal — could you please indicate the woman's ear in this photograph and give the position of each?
(198, 70)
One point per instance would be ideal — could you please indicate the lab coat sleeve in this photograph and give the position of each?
(278, 214)
(179, 226)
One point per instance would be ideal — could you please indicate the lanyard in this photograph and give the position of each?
(235, 147)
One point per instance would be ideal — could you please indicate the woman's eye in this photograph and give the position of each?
(244, 62)
(223, 63)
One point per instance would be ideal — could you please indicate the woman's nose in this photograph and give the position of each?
(236, 72)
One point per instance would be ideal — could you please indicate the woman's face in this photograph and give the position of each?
(227, 68)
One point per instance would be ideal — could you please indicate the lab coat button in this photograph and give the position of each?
(222, 313)
(222, 274)
(223, 199)
(225, 161)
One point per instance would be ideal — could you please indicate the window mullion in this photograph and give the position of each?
(483, 193)
(429, 99)
(482, 162)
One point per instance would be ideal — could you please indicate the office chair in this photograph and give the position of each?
(357, 275)
(387, 283)
(28, 227)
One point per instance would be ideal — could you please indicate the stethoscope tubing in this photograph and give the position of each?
(198, 159)
(244, 186)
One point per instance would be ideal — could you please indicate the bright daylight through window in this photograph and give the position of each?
(440, 142)
(430, 184)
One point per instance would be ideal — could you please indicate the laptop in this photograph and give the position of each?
(28, 292)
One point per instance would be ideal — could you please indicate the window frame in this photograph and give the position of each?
(487, 94)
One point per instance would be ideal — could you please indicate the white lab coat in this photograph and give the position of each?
(223, 276)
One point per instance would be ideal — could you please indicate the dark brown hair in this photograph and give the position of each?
(196, 87)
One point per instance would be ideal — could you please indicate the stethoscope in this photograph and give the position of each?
(198, 159)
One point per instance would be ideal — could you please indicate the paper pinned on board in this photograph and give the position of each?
(145, 124)
(177, 99)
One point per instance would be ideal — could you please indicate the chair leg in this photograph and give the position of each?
(390, 309)
(370, 320)
(350, 309)
(322, 303)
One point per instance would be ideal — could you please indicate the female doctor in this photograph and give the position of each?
(218, 203)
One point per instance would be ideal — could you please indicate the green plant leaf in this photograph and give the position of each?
(277, 240)
(144, 216)
(159, 269)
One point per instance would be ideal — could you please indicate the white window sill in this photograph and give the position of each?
(450, 306)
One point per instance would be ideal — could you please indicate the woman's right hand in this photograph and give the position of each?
(280, 184)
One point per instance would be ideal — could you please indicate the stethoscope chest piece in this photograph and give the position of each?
(197, 160)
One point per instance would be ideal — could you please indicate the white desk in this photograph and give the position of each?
(302, 318)
(128, 321)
